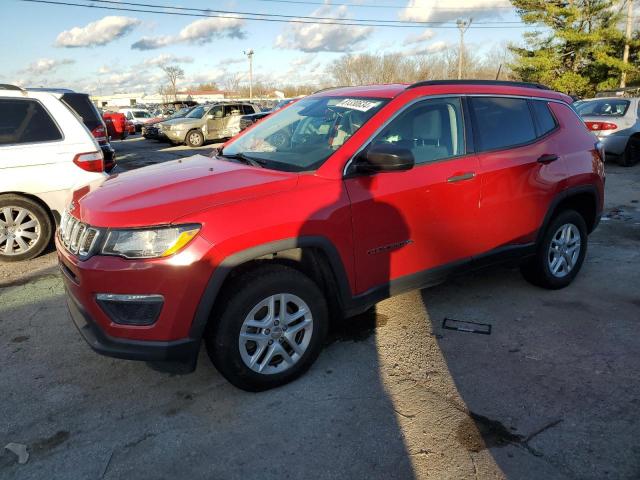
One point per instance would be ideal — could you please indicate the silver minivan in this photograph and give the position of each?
(206, 122)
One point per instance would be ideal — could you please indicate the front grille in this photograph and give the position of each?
(77, 237)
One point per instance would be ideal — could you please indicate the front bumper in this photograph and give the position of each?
(178, 350)
(180, 279)
(175, 135)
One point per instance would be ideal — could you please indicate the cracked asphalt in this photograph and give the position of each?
(552, 393)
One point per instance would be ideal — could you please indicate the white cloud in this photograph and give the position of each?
(165, 59)
(319, 37)
(426, 49)
(97, 33)
(46, 65)
(419, 38)
(303, 60)
(199, 32)
(443, 11)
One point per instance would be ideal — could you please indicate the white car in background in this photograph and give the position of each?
(46, 153)
(137, 116)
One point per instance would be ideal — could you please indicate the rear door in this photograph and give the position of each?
(519, 155)
(407, 222)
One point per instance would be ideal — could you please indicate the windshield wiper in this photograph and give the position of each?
(254, 162)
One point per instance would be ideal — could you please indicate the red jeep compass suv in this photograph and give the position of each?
(376, 190)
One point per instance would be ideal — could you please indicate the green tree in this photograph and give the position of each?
(579, 48)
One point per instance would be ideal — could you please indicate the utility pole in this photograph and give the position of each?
(625, 55)
(249, 55)
(463, 26)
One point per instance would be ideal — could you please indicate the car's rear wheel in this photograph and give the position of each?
(270, 329)
(561, 252)
(631, 154)
(25, 228)
(195, 138)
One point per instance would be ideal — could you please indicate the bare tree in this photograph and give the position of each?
(174, 73)
(231, 82)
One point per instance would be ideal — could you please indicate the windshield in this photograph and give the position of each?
(197, 112)
(179, 114)
(603, 108)
(141, 114)
(303, 136)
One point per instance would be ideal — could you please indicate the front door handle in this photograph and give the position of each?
(547, 158)
(461, 177)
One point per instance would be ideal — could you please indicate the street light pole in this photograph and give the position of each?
(463, 26)
(249, 55)
(625, 55)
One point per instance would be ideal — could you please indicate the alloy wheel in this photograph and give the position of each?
(19, 230)
(275, 334)
(564, 250)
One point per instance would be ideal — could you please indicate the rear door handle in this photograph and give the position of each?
(461, 177)
(547, 158)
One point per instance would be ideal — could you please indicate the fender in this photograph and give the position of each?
(228, 264)
(560, 197)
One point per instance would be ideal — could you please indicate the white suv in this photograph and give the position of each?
(46, 153)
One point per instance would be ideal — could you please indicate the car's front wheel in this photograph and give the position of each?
(25, 228)
(561, 252)
(195, 138)
(270, 329)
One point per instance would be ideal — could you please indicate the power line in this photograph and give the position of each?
(350, 22)
(369, 5)
(209, 10)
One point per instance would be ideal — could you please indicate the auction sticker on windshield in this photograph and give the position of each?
(358, 104)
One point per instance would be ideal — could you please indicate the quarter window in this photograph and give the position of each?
(546, 122)
(502, 122)
(26, 121)
(432, 130)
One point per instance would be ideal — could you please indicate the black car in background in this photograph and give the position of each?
(248, 120)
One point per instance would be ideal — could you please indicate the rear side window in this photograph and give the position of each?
(82, 106)
(247, 109)
(26, 121)
(502, 122)
(546, 122)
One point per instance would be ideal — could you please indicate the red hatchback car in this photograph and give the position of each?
(378, 190)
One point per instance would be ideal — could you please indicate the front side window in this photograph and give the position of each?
(432, 130)
(502, 122)
(303, 136)
(26, 121)
(603, 108)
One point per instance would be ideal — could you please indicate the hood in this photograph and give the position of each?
(184, 120)
(161, 194)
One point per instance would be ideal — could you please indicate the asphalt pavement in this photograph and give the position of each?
(551, 393)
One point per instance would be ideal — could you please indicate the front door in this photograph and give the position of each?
(215, 122)
(409, 222)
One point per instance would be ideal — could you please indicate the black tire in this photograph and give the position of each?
(240, 298)
(631, 154)
(537, 269)
(43, 230)
(194, 138)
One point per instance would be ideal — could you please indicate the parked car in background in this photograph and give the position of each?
(616, 123)
(206, 122)
(83, 107)
(46, 153)
(381, 189)
(248, 120)
(117, 125)
(151, 130)
(137, 117)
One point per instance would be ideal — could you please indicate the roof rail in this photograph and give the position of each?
(51, 90)
(6, 86)
(505, 83)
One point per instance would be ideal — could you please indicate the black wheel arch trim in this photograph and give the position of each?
(223, 270)
(564, 195)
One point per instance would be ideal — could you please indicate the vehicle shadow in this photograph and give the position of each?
(549, 390)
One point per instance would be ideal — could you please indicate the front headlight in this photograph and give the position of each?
(149, 243)
(176, 128)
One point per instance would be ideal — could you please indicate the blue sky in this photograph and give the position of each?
(105, 51)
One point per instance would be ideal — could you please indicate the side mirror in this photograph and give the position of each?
(384, 157)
